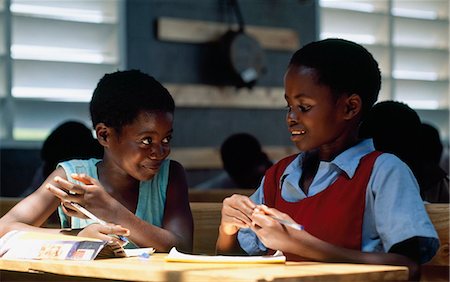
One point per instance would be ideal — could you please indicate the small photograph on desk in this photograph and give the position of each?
(53, 251)
(65, 250)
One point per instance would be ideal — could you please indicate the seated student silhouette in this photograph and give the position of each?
(69, 140)
(397, 129)
(433, 180)
(445, 163)
(244, 164)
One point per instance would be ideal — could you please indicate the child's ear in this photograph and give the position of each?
(103, 132)
(353, 105)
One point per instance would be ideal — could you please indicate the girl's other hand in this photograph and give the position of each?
(104, 232)
(272, 234)
(263, 209)
(236, 213)
(88, 193)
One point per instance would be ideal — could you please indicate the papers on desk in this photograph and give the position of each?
(176, 256)
(140, 252)
(36, 245)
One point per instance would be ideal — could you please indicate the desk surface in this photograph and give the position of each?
(156, 269)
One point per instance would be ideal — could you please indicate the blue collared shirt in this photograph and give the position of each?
(394, 210)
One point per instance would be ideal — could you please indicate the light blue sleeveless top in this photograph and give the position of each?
(151, 199)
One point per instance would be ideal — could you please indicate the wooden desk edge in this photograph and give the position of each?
(136, 270)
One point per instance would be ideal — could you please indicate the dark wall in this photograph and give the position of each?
(185, 63)
(17, 170)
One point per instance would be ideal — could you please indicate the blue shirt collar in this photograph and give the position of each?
(349, 160)
(346, 161)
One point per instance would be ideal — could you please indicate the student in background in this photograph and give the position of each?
(394, 128)
(433, 180)
(397, 129)
(355, 204)
(69, 140)
(244, 163)
(134, 187)
(444, 163)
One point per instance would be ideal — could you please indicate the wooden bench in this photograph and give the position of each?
(206, 226)
(438, 268)
(216, 195)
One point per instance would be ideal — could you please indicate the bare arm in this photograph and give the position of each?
(178, 216)
(236, 214)
(32, 211)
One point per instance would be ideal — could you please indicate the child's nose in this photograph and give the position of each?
(292, 116)
(157, 151)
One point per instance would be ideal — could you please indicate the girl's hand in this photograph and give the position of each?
(236, 213)
(272, 234)
(265, 210)
(90, 194)
(104, 232)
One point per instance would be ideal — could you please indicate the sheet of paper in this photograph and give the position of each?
(139, 252)
(176, 256)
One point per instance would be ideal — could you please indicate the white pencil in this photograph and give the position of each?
(288, 223)
(88, 213)
(96, 219)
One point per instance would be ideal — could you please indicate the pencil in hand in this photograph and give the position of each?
(96, 219)
(288, 223)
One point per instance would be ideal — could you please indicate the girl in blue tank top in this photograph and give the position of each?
(134, 187)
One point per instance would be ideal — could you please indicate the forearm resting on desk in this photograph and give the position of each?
(304, 244)
(144, 234)
(228, 244)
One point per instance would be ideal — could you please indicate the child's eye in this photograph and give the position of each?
(147, 141)
(167, 140)
(304, 108)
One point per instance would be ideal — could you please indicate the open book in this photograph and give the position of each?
(176, 256)
(36, 245)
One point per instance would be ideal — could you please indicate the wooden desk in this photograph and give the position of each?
(156, 269)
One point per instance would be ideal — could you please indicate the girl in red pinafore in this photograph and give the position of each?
(355, 204)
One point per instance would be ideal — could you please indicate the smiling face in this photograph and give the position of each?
(316, 118)
(141, 146)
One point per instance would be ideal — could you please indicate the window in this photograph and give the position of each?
(52, 53)
(409, 39)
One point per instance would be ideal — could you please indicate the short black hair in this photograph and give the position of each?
(242, 155)
(239, 151)
(120, 96)
(344, 66)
